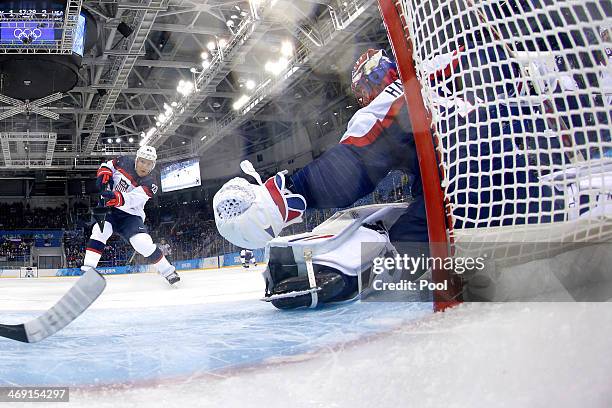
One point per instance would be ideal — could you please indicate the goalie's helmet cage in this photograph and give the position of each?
(371, 74)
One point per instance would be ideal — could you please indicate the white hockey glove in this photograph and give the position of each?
(249, 215)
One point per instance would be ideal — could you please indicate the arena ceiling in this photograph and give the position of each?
(271, 67)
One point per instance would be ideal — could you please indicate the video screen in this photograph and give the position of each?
(178, 176)
(79, 36)
(27, 32)
(40, 32)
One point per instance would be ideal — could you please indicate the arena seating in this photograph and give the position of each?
(188, 228)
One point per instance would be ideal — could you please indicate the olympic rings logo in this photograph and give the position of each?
(27, 34)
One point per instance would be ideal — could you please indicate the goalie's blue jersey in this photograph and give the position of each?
(379, 139)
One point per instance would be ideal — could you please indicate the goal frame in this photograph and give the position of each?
(23, 270)
(513, 137)
(428, 162)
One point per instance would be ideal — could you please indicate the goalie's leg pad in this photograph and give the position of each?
(330, 282)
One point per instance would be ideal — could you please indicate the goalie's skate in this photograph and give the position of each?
(295, 293)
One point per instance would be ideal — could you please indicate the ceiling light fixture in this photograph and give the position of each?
(240, 102)
(185, 88)
(286, 48)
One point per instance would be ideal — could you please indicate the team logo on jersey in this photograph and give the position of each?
(122, 187)
(154, 188)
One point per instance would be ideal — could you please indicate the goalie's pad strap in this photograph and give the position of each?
(311, 278)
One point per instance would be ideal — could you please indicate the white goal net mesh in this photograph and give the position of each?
(520, 95)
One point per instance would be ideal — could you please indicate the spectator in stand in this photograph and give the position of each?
(165, 248)
(16, 216)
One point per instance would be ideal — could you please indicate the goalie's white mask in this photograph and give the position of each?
(249, 215)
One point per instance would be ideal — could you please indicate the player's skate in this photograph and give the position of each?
(171, 276)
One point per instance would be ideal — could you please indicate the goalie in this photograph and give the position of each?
(379, 139)
(247, 258)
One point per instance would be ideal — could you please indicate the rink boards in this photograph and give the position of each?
(213, 262)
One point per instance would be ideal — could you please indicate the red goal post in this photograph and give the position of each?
(430, 173)
(510, 105)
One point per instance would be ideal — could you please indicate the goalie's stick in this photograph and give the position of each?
(84, 292)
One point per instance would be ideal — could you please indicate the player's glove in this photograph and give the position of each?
(104, 178)
(250, 215)
(113, 199)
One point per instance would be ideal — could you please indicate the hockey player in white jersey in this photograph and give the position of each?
(126, 185)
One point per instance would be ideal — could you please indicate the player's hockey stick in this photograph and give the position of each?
(99, 213)
(69, 307)
(99, 216)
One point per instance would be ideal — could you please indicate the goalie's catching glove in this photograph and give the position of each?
(249, 215)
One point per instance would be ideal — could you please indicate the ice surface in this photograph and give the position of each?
(212, 343)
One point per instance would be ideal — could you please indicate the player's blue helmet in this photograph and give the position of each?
(371, 74)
